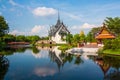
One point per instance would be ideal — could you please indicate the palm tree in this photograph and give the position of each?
(113, 24)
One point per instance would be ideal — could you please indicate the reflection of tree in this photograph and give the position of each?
(4, 64)
(11, 50)
(107, 61)
(68, 58)
(114, 75)
(20, 50)
(113, 61)
(35, 50)
(78, 60)
(6, 52)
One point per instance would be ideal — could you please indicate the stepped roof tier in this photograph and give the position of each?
(55, 28)
(58, 32)
(105, 33)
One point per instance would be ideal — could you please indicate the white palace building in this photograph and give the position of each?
(58, 32)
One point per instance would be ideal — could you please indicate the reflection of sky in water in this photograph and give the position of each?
(41, 54)
(30, 66)
(44, 71)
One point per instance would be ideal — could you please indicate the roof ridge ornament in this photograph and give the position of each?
(104, 25)
(58, 15)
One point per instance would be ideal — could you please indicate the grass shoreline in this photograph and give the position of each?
(112, 52)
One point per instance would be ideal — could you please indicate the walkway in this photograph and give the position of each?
(90, 46)
(89, 49)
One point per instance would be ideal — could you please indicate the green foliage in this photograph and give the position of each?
(45, 38)
(112, 44)
(3, 26)
(76, 38)
(69, 38)
(35, 50)
(91, 35)
(82, 37)
(8, 38)
(64, 47)
(113, 24)
(3, 30)
(2, 44)
(20, 38)
(112, 52)
(32, 39)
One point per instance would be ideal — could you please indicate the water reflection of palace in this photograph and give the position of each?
(61, 58)
(4, 65)
(55, 57)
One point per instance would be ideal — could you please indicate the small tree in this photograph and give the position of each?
(82, 36)
(3, 26)
(69, 38)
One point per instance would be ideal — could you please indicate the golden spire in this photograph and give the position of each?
(82, 33)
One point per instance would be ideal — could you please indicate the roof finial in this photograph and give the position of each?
(58, 21)
(104, 25)
(58, 15)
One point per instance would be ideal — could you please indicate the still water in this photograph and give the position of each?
(51, 64)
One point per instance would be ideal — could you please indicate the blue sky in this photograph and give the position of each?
(34, 17)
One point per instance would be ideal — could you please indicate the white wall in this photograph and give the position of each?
(57, 38)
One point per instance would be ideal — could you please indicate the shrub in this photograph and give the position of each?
(112, 44)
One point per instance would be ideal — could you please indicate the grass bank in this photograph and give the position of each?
(62, 47)
(112, 52)
(65, 47)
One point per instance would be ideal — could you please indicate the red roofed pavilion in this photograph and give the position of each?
(104, 34)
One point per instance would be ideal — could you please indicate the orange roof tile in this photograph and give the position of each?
(104, 34)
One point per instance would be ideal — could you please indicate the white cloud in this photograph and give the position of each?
(44, 71)
(16, 32)
(84, 26)
(44, 11)
(39, 55)
(87, 26)
(15, 4)
(37, 28)
(40, 30)
(77, 28)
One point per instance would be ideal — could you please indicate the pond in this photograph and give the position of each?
(51, 64)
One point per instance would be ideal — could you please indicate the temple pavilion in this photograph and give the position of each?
(104, 34)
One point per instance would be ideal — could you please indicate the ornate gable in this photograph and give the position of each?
(58, 27)
(105, 33)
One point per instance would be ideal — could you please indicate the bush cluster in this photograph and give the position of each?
(112, 44)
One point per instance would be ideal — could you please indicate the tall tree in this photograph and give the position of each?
(91, 35)
(82, 36)
(76, 38)
(69, 38)
(113, 24)
(3, 26)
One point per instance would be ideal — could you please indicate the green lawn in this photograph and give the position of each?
(113, 52)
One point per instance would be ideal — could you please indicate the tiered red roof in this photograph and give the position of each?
(105, 34)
